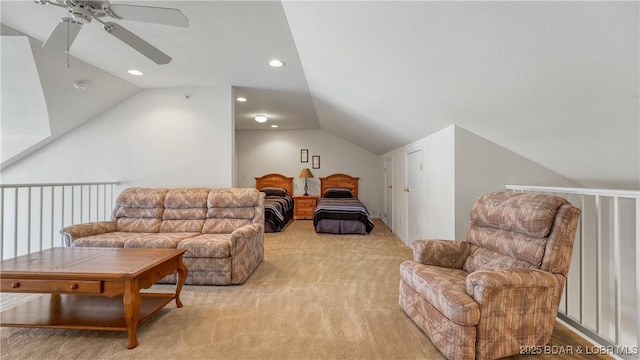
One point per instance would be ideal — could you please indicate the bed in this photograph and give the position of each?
(278, 203)
(339, 211)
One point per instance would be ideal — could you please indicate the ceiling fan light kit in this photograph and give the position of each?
(80, 14)
(84, 11)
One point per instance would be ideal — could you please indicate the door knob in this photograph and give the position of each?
(405, 189)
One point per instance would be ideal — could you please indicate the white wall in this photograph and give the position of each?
(439, 176)
(261, 152)
(22, 98)
(158, 137)
(482, 166)
(458, 166)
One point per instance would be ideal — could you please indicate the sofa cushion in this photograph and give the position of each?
(184, 210)
(139, 209)
(139, 197)
(233, 197)
(138, 225)
(167, 240)
(186, 198)
(443, 288)
(176, 225)
(135, 213)
(223, 226)
(229, 209)
(207, 246)
(246, 213)
(113, 239)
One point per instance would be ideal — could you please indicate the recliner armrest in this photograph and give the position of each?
(444, 253)
(480, 284)
(73, 232)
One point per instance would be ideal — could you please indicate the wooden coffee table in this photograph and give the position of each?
(91, 288)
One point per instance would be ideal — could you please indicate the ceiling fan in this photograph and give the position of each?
(83, 11)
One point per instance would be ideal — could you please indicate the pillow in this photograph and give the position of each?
(274, 191)
(338, 193)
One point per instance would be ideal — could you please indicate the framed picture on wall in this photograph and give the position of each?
(315, 159)
(304, 155)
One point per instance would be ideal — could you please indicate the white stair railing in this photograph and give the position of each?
(602, 294)
(31, 215)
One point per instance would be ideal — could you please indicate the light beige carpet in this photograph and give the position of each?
(316, 296)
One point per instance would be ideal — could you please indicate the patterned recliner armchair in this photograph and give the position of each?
(499, 290)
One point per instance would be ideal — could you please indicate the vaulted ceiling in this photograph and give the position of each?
(555, 82)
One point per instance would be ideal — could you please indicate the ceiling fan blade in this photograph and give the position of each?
(63, 35)
(137, 43)
(151, 14)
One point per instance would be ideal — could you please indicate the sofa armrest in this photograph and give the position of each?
(247, 251)
(445, 253)
(73, 232)
(502, 283)
(246, 234)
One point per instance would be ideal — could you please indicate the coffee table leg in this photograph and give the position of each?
(131, 300)
(182, 276)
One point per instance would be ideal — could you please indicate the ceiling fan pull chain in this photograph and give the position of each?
(68, 43)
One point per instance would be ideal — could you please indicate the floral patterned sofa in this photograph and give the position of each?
(221, 229)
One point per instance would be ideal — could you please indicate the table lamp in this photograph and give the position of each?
(306, 174)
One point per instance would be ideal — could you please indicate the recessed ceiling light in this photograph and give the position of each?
(241, 99)
(274, 126)
(261, 118)
(276, 63)
(135, 72)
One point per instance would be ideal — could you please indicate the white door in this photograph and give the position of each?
(388, 193)
(414, 191)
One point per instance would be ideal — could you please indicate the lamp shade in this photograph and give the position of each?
(306, 174)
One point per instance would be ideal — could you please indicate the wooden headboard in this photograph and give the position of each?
(275, 180)
(339, 180)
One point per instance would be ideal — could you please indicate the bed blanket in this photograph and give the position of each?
(343, 209)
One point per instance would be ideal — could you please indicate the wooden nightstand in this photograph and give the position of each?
(304, 206)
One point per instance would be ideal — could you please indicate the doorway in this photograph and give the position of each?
(388, 193)
(414, 191)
